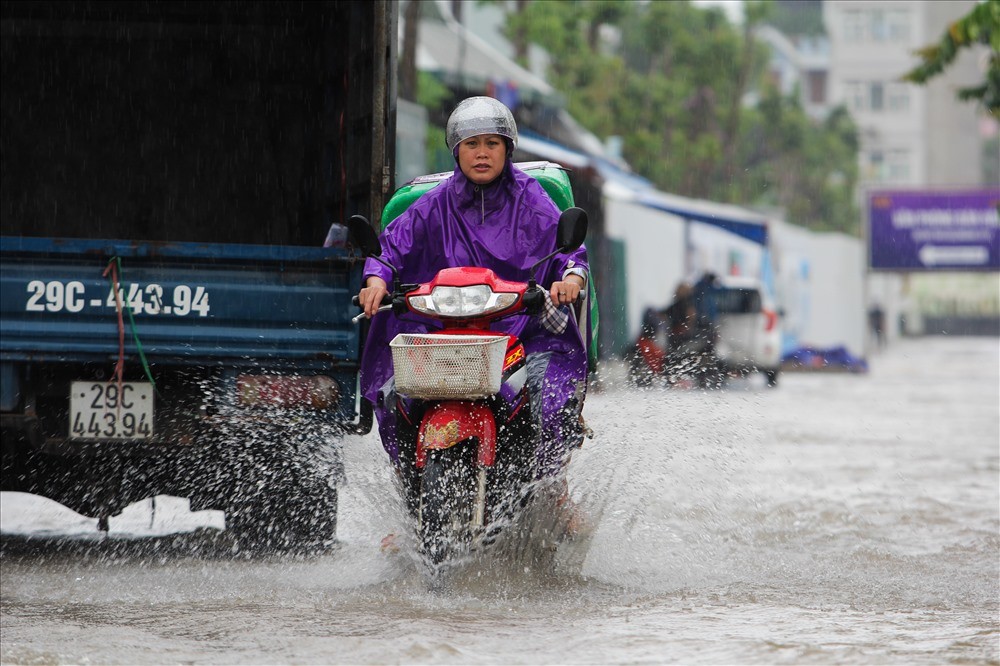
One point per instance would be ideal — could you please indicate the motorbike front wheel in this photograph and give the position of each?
(448, 500)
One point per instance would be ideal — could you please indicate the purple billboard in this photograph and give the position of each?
(934, 231)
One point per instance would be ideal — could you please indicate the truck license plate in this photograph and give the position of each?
(107, 410)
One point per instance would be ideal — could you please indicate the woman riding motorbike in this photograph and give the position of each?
(489, 214)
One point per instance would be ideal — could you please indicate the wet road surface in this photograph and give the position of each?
(838, 518)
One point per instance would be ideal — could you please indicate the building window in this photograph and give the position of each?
(876, 25)
(879, 26)
(888, 166)
(816, 84)
(855, 95)
(854, 26)
(899, 26)
(899, 97)
(876, 159)
(877, 96)
(897, 166)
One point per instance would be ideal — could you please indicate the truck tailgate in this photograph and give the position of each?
(204, 304)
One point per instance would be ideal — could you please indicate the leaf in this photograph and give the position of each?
(980, 26)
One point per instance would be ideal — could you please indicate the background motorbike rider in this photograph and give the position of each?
(692, 335)
(681, 317)
(490, 214)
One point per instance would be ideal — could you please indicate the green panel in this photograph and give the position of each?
(403, 199)
(553, 178)
(595, 320)
(555, 181)
(616, 338)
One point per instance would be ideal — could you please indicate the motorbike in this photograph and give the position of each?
(466, 432)
(674, 354)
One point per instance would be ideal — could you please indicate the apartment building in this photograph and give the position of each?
(911, 136)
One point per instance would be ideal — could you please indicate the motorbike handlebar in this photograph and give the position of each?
(386, 300)
(386, 305)
(534, 301)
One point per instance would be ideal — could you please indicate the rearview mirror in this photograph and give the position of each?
(363, 237)
(570, 234)
(572, 229)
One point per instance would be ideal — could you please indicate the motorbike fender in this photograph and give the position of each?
(447, 423)
(651, 353)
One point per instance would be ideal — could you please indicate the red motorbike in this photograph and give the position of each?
(467, 436)
(663, 353)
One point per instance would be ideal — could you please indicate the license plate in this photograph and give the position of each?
(109, 410)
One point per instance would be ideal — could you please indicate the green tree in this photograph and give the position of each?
(672, 82)
(808, 171)
(979, 26)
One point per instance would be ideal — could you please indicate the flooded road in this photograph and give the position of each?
(838, 518)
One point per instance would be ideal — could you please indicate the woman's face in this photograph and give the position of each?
(482, 157)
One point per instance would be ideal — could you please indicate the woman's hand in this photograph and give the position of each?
(370, 296)
(566, 291)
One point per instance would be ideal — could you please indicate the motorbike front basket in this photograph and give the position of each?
(457, 367)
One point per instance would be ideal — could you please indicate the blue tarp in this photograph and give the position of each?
(834, 358)
(746, 227)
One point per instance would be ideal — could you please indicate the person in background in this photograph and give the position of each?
(703, 294)
(876, 321)
(682, 316)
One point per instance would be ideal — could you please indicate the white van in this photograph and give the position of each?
(749, 330)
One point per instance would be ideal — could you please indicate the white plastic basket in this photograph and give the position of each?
(435, 366)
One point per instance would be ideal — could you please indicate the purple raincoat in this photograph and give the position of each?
(506, 226)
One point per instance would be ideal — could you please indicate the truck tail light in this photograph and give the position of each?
(317, 391)
(770, 319)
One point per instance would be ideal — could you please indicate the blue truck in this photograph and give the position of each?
(175, 291)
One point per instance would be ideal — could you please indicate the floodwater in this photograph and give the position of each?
(836, 519)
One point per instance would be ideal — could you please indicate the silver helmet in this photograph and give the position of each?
(480, 115)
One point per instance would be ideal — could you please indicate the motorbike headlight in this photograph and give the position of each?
(473, 301)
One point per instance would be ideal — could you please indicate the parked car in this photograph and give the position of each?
(749, 330)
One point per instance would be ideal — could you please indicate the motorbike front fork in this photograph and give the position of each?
(512, 465)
